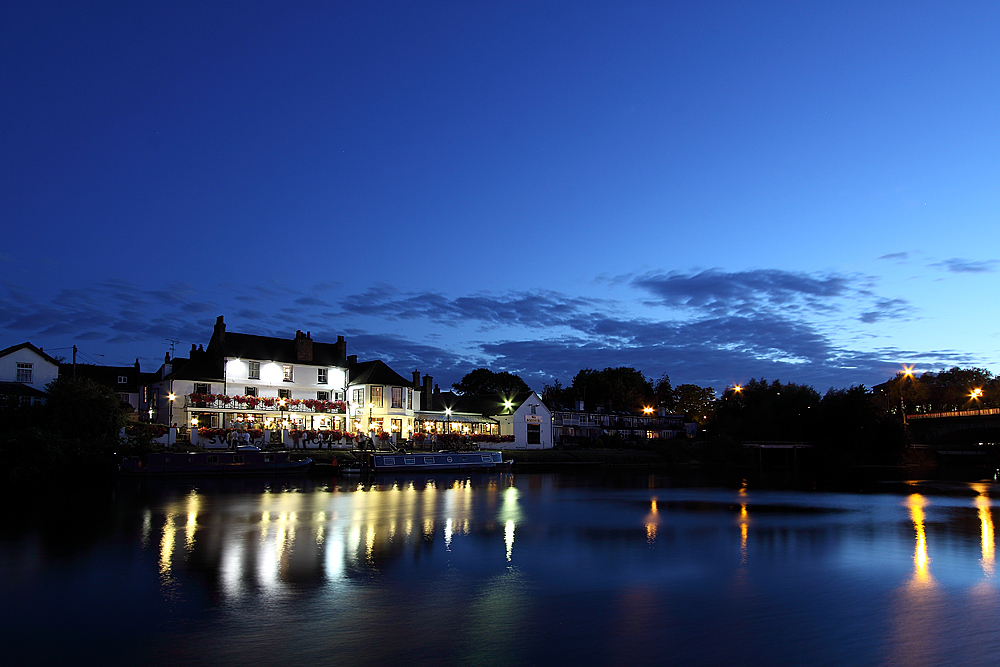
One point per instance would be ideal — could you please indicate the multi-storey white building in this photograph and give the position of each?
(250, 380)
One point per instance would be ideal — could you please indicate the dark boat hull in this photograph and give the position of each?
(430, 461)
(214, 463)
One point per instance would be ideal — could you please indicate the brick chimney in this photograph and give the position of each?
(303, 347)
(428, 404)
(220, 330)
(416, 379)
(340, 348)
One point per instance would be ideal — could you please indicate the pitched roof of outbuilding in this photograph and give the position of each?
(493, 404)
(19, 389)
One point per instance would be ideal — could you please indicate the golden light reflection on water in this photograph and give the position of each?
(652, 521)
(921, 561)
(744, 530)
(987, 539)
(193, 505)
(167, 545)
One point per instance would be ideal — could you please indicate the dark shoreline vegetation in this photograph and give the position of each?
(75, 435)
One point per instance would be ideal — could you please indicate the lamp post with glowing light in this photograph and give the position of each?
(975, 395)
(281, 405)
(170, 402)
(907, 373)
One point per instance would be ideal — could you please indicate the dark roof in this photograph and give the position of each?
(19, 389)
(37, 350)
(107, 375)
(495, 404)
(199, 367)
(283, 350)
(376, 372)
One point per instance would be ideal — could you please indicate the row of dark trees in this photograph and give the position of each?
(76, 433)
(945, 391)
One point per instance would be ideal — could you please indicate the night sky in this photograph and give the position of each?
(803, 191)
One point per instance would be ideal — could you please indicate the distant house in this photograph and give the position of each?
(522, 415)
(25, 370)
(127, 381)
(580, 424)
(253, 380)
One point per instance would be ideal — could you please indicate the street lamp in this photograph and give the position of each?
(447, 413)
(170, 417)
(977, 394)
(281, 404)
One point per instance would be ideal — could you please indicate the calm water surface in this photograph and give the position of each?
(504, 569)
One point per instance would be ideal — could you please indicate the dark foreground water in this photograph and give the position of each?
(505, 569)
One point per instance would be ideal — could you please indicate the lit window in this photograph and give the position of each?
(377, 397)
(249, 391)
(286, 373)
(321, 376)
(254, 372)
(322, 396)
(397, 397)
(23, 373)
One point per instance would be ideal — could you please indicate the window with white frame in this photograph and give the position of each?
(359, 397)
(322, 396)
(377, 396)
(122, 379)
(200, 388)
(286, 373)
(397, 397)
(409, 399)
(254, 372)
(321, 376)
(249, 391)
(24, 372)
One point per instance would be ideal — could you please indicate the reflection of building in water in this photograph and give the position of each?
(317, 538)
(987, 539)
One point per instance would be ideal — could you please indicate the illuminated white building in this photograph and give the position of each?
(256, 381)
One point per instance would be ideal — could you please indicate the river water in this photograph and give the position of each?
(501, 569)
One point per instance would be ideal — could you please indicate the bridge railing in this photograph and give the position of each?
(957, 413)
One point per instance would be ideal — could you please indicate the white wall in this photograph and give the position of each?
(42, 372)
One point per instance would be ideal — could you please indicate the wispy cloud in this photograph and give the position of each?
(959, 265)
(725, 326)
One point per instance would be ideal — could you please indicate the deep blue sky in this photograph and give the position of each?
(718, 191)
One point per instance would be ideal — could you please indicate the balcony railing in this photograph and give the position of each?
(262, 404)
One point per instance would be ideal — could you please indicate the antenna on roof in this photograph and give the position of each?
(172, 343)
